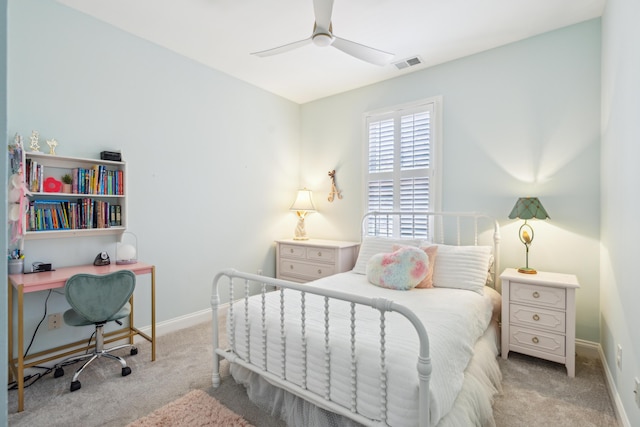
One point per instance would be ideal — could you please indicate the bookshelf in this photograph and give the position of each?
(95, 205)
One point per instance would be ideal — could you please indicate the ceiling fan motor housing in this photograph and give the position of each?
(322, 39)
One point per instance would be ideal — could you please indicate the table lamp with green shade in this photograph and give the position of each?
(527, 208)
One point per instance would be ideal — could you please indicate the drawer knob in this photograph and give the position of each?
(319, 271)
(291, 250)
(536, 317)
(536, 294)
(291, 267)
(535, 340)
(319, 253)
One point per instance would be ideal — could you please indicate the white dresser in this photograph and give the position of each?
(306, 260)
(539, 316)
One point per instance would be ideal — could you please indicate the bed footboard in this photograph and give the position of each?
(248, 284)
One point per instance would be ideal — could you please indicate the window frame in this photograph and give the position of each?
(434, 171)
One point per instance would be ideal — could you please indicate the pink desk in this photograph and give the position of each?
(25, 283)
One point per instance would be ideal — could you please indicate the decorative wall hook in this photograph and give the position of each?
(334, 190)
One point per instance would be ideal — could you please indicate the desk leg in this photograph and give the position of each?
(153, 313)
(20, 348)
(132, 324)
(20, 367)
(10, 329)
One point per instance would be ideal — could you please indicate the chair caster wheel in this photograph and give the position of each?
(134, 351)
(75, 385)
(58, 373)
(126, 371)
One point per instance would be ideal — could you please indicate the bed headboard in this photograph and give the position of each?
(451, 228)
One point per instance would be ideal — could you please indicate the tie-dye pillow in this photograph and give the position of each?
(431, 251)
(402, 269)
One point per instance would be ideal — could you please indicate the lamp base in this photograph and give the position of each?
(527, 270)
(300, 238)
(126, 261)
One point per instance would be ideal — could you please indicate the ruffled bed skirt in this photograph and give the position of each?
(473, 406)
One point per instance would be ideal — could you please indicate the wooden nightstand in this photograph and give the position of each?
(306, 260)
(539, 316)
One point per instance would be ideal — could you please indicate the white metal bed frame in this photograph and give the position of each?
(371, 221)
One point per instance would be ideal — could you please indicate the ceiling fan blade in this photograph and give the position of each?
(323, 10)
(360, 51)
(282, 49)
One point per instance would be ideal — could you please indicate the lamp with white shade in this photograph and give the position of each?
(127, 249)
(302, 206)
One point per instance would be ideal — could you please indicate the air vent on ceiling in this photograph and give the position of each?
(406, 63)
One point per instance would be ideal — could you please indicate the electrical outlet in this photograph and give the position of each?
(55, 321)
(619, 356)
(636, 391)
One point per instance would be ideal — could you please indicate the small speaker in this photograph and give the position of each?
(111, 155)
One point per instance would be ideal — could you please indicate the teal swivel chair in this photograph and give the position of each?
(96, 300)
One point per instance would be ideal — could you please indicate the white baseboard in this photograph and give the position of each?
(178, 323)
(593, 350)
(182, 322)
(588, 349)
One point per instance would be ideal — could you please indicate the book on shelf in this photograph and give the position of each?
(84, 213)
(34, 174)
(95, 180)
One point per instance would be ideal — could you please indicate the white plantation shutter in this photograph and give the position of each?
(414, 196)
(401, 150)
(414, 140)
(381, 150)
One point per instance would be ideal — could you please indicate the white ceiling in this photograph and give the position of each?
(222, 33)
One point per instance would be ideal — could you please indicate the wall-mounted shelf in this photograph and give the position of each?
(96, 204)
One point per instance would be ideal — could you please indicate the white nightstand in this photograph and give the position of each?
(539, 316)
(306, 260)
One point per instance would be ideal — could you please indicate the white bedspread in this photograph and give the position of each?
(454, 320)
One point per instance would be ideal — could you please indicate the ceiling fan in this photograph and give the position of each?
(323, 36)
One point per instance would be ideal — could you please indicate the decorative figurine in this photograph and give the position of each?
(52, 143)
(35, 145)
(334, 190)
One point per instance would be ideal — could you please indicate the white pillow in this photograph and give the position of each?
(372, 245)
(462, 267)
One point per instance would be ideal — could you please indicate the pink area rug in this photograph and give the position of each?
(196, 408)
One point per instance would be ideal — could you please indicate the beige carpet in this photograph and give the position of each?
(536, 393)
(196, 408)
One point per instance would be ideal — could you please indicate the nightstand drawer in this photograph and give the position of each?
(546, 342)
(539, 295)
(291, 251)
(302, 269)
(321, 254)
(535, 317)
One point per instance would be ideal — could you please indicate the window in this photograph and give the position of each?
(402, 165)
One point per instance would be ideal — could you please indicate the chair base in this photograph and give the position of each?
(96, 354)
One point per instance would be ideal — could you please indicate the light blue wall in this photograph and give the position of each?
(620, 287)
(3, 215)
(519, 120)
(212, 161)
